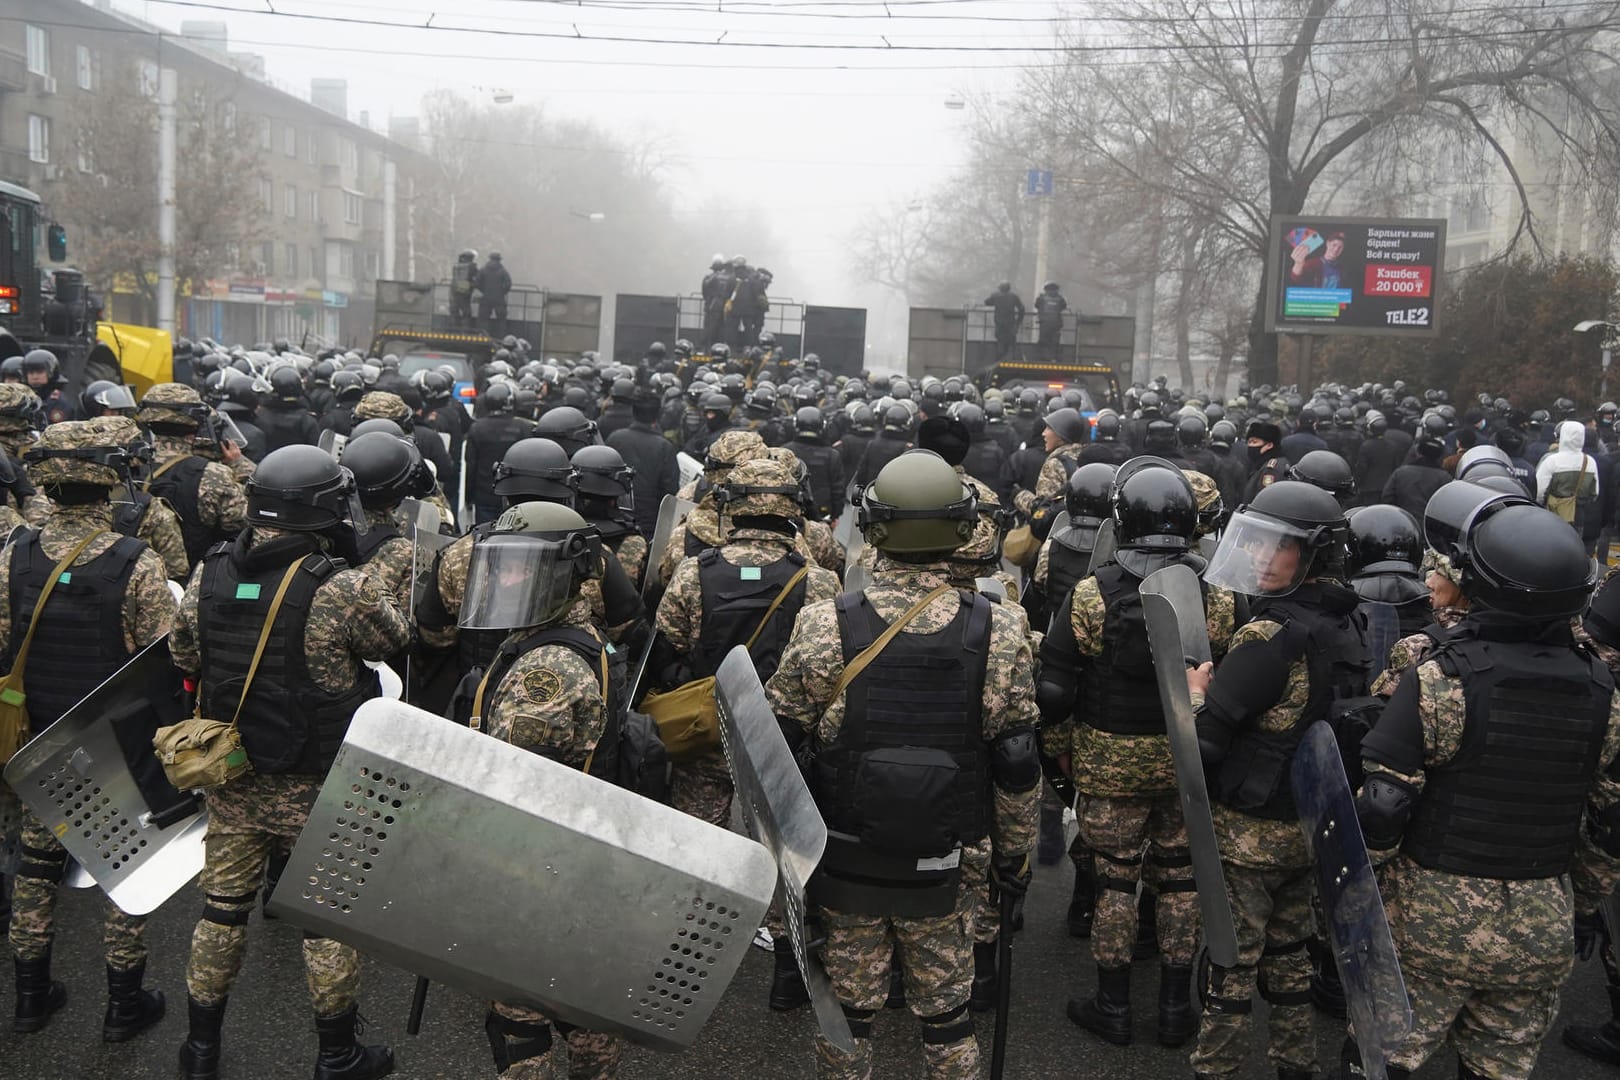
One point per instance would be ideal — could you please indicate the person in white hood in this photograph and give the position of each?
(1567, 477)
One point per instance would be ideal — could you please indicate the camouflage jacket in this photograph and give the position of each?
(1412, 650)
(801, 690)
(550, 701)
(221, 502)
(680, 612)
(1053, 478)
(453, 563)
(392, 564)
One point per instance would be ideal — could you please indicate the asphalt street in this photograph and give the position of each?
(269, 1034)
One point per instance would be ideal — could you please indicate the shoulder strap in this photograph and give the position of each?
(781, 596)
(264, 634)
(870, 653)
(146, 485)
(44, 595)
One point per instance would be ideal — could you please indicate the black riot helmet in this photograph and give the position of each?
(602, 472)
(808, 421)
(301, 489)
(568, 428)
(1088, 497)
(896, 418)
(1326, 470)
(1191, 431)
(1384, 539)
(1108, 425)
(1291, 532)
(286, 385)
(535, 469)
(1155, 514)
(971, 416)
(348, 387)
(104, 396)
(1514, 556)
(499, 398)
(1223, 433)
(386, 469)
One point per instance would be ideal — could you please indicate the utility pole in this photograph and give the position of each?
(168, 95)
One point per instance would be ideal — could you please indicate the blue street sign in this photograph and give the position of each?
(1038, 182)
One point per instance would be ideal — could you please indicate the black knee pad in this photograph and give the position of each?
(215, 909)
(512, 1041)
(1211, 983)
(1110, 882)
(947, 1027)
(42, 864)
(860, 1021)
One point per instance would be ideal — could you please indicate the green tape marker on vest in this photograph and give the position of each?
(247, 591)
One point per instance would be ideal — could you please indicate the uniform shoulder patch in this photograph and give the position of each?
(543, 686)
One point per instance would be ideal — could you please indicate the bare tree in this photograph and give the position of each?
(109, 192)
(1246, 109)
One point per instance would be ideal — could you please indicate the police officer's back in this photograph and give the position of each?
(823, 463)
(490, 437)
(644, 448)
(285, 418)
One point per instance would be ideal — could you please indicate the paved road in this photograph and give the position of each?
(269, 1035)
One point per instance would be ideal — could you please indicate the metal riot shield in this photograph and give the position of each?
(857, 578)
(1383, 624)
(670, 513)
(423, 517)
(332, 443)
(991, 586)
(691, 468)
(1178, 634)
(92, 779)
(604, 909)
(1103, 549)
(845, 533)
(781, 814)
(1374, 991)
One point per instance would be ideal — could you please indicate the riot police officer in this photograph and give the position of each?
(854, 679)
(204, 494)
(644, 449)
(1065, 555)
(605, 484)
(491, 436)
(286, 419)
(892, 440)
(1386, 564)
(302, 514)
(387, 470)
(825, 467)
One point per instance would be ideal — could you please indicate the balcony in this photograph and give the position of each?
(13, 72)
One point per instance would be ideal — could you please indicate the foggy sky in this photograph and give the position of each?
(813, 137)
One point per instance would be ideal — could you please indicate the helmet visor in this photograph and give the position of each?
(1260, 556)
(217, 427)
(516, 580)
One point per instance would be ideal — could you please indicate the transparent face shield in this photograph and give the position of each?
(516, 580)
(217, 427)
(1261, 556)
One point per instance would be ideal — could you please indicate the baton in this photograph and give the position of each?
(998, 1052)
(413, 1026)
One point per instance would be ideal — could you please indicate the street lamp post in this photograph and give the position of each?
(1611, 338)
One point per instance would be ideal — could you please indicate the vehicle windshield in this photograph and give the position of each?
(412, 362)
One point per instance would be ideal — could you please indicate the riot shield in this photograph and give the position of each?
(1374, 992)
(844, 533)
(991, 586)
(1103, 550)
(781, 814)
(92, 779)
(1059, 523)
(332, 443)
(691, 468)
(857, 578)
(1208, 544)
(1383, 624)
(604, 909)
(423, 517)
(426, 544)
(1178, 634)
(670, 513)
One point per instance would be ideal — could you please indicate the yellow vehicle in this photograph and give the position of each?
(145, 354)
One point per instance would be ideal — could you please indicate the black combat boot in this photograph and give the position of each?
(130, 1009)
(37, 995)
(1327, 992)
(1049, 846)
(1083, 905)
(983, 996)
(342, 1058)
(199, 1054)
(1177, 1022)
(788, 991)
(1108, 1015)
(1602, 1043)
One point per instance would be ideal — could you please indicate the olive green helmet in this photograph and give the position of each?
(528, 569)
(918, 505)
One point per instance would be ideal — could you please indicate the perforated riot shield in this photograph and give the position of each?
(1103, 550)
(1374, 991)
(92, 779)
(845, 535)
(426, 543)
(602, 908)
(1178, 634)
(670, 513)
(332, 443)
(1383, 624)
(781, 814)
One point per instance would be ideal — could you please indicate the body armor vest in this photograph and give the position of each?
(1066, 564)
(79, 642)
(179, 486)
(129, 515)
(578, 641)
(372, 540)
(734, 601)
(1509, 804)
(1255, 775)
(288, 723)
(908, 772)
(1121, 686)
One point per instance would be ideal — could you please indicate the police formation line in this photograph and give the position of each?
(1334, 706)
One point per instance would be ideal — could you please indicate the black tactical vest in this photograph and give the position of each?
(79, 641)
(734, 601)
(908, 772)
(180, 486)
(1509, 804)
(1121, 687)
(1066, 565)
(130, 514)
(372, 540)
(1254, 777)
(289, 724)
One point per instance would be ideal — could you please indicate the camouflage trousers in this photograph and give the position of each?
(976, 879)
(592, 1055)
(936, 958)
(1272, 913)
(702, 788)
(232, 871)
(1497, 1032)
(33, 904)
(1119, 831)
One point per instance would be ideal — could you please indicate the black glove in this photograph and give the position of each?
(1011, 874)
(1590, 935)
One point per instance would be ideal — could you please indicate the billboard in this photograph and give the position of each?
(1355, 276)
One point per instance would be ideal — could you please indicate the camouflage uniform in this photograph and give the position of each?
(453, 563)
(1483, 958)
(729, 450)
(936, 954)
(17, 434)
(550, 703)
(1269, 883)
(1129, 801)
(632, 555)
(1412, 650)
(393, 564)
(350, 619)
(221, 502)
(381, 405)
(148, 613)
(1053, 479)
